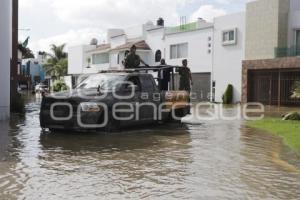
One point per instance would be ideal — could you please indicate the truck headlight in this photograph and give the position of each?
(90, 107)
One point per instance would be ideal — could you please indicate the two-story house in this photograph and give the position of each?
(272, 63)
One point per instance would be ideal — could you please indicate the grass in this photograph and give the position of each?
(288, 130)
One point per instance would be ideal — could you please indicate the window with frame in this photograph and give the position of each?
(179, 51)
(100, 58)
(229, 37)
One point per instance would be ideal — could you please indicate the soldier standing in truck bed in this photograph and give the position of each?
(185, 77)
(133, 60)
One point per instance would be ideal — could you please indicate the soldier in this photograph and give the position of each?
(125, 56)
(164, 76)
(133, 60)
(185, 77)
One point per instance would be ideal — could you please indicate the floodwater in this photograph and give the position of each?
(213, 160)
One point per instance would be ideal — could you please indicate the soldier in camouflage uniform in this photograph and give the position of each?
(185, 77)
(133, 60)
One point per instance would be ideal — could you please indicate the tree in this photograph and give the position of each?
(26, 52)
(57, 64)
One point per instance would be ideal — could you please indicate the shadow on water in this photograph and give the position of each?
(128, 139)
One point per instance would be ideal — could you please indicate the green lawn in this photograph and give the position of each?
(288, 130)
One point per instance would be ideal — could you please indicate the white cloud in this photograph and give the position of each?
(82, 20)
(223, 1)
(26, 4)
(232, 1)
(207, 12)
(84, 16)
(71, 38)
(107, 13)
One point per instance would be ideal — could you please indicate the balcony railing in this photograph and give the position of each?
(287, 52)
(182, 28)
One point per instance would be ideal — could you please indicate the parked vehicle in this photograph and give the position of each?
(109, 101)
(41, 88)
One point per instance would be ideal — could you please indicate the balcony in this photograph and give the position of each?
(287, 52)
(182, 28)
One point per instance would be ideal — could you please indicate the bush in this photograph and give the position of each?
(296, 90)
(228, 95)
(59, 86)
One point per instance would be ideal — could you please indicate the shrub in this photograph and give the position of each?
(296, 90)
(59, 86)
(228, 95)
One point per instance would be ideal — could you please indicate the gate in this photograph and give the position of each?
(273, 87)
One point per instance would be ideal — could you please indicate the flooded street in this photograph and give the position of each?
(214, 160)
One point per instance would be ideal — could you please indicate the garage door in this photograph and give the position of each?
(201, 87)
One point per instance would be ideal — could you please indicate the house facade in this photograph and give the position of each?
(33, 72)
(219, 53)
(272, 63)
(5, 55)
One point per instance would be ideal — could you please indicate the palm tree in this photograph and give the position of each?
(57, 64)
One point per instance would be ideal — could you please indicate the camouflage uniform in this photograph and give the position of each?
(132, 61)
(184, 83)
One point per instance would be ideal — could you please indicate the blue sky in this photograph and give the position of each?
(76, 21)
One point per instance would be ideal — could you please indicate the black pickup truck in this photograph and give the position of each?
(109, 101)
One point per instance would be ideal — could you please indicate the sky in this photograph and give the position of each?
(76, 22)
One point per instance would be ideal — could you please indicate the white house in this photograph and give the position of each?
(193, 42)
(5, 45)
(228, 53)
(154, 42)
(215, 51)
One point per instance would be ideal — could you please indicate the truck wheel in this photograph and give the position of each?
(53, 130)
(181, 112)
(112, 125)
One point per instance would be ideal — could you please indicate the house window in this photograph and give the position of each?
(229, 37)
(100, 58)
(157, 56)
(179, 51)
(118, 58)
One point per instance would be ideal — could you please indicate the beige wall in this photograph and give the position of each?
(266, 28)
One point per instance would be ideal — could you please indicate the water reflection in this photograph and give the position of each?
(213, 160)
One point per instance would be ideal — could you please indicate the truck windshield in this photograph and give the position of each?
(104, 82)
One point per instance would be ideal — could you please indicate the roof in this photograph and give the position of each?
(101, 47)
(140, 45)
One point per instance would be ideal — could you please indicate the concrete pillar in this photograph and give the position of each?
(5, 48)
